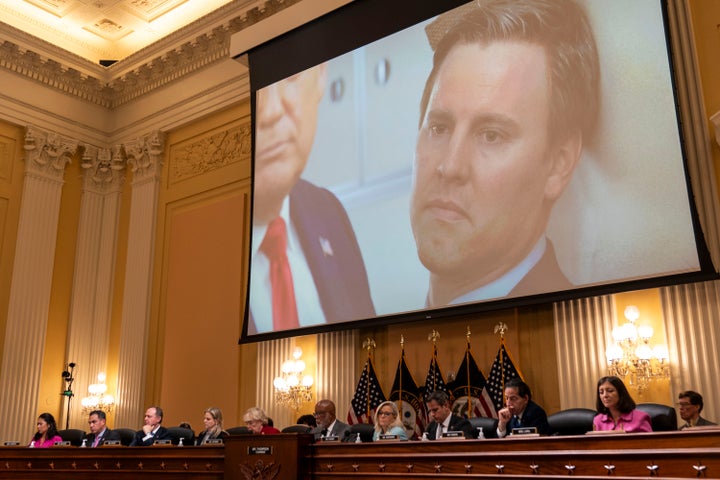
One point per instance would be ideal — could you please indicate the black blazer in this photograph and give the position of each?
(533, 416)
(199, 438)
(161, 434)
(104, 437)
(456, 424)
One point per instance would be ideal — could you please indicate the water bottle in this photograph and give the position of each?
(424, 437)
(84, 444)
(32, 444)
(180, 443)
(481, 435)
(357, 438)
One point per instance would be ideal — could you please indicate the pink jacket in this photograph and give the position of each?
(633, 421)
(48, 442)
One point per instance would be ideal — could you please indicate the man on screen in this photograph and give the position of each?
(307, 268)
(512, 96)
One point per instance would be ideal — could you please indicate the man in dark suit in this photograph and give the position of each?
(691, 404)
(498, 144)
(151, 431)
(306, 265)
(99, 433)
(440, 411)
(521, 411)
(327, 423)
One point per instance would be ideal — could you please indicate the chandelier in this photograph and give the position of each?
(98, 398)
(292, 387)
(632, 358)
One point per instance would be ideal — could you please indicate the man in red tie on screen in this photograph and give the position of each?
(306, 266)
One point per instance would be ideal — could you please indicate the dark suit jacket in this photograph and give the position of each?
(223, 435)
(340, 430)
(701, 422)
(332, 253)
(105, 436)
(456, 424)
(545, 276)
(161, 434)
(533, 416)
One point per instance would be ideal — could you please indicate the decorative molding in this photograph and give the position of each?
(211, 152)
(125, 81)
(144, 156)
(104, 168)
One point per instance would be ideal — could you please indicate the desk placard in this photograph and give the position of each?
(163, 442)
(11, 444)
(330, 438)
(526, 431)
(387, 436)
(260, 450)
(64, 443)
(214, 441)
(108, 443)
(454, 435)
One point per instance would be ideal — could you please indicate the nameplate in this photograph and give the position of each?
(260, 450)
(111, 442)
(214, 441)
(454, 434)
(525, 431)
(330, 438)
(162, 442)
(11, 444)
(387, 436)
(65, 443)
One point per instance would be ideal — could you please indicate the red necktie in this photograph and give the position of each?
(274, 246)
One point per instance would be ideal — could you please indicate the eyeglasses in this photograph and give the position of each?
(385, 414)
(684, 404)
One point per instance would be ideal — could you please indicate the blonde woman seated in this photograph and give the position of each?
(213, 422)
(387, 422)
(257, 422)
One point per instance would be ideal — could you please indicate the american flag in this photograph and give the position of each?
(368, 395)
(502, 370)
(434, 380)
(406, 394)
(468, 388)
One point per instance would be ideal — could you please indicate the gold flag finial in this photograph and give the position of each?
(467, 333)
(369, 345)
(501, 328)
(434, 336)
(402, 341)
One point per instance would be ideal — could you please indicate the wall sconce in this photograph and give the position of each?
(632, 358)
(98, 399)
(292, 387)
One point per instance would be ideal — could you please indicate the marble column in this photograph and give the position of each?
(46, 155)
(92, 293)
(144, 158)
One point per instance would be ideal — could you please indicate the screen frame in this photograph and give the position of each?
(265, 69)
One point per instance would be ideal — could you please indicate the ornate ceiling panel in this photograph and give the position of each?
(104, 29)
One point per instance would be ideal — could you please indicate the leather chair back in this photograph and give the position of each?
(489, 426)
(663, 417)
(573, 421)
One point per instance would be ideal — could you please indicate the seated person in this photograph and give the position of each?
(47, 433)
(691, 404)
(257, 422)
(152, 430)
(440, 412)
(327, 423)
(520, 411)
(307, 419)
(616, 408)
(213, 422)
(99, 433)
(387, 422)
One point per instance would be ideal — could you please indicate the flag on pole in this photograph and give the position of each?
(368, 395)
(502, 370)
(434, 380)
(469, 390)
(406, 394)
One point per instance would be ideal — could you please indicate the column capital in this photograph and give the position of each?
(104, 168)
(144, 156)
(47, 153)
